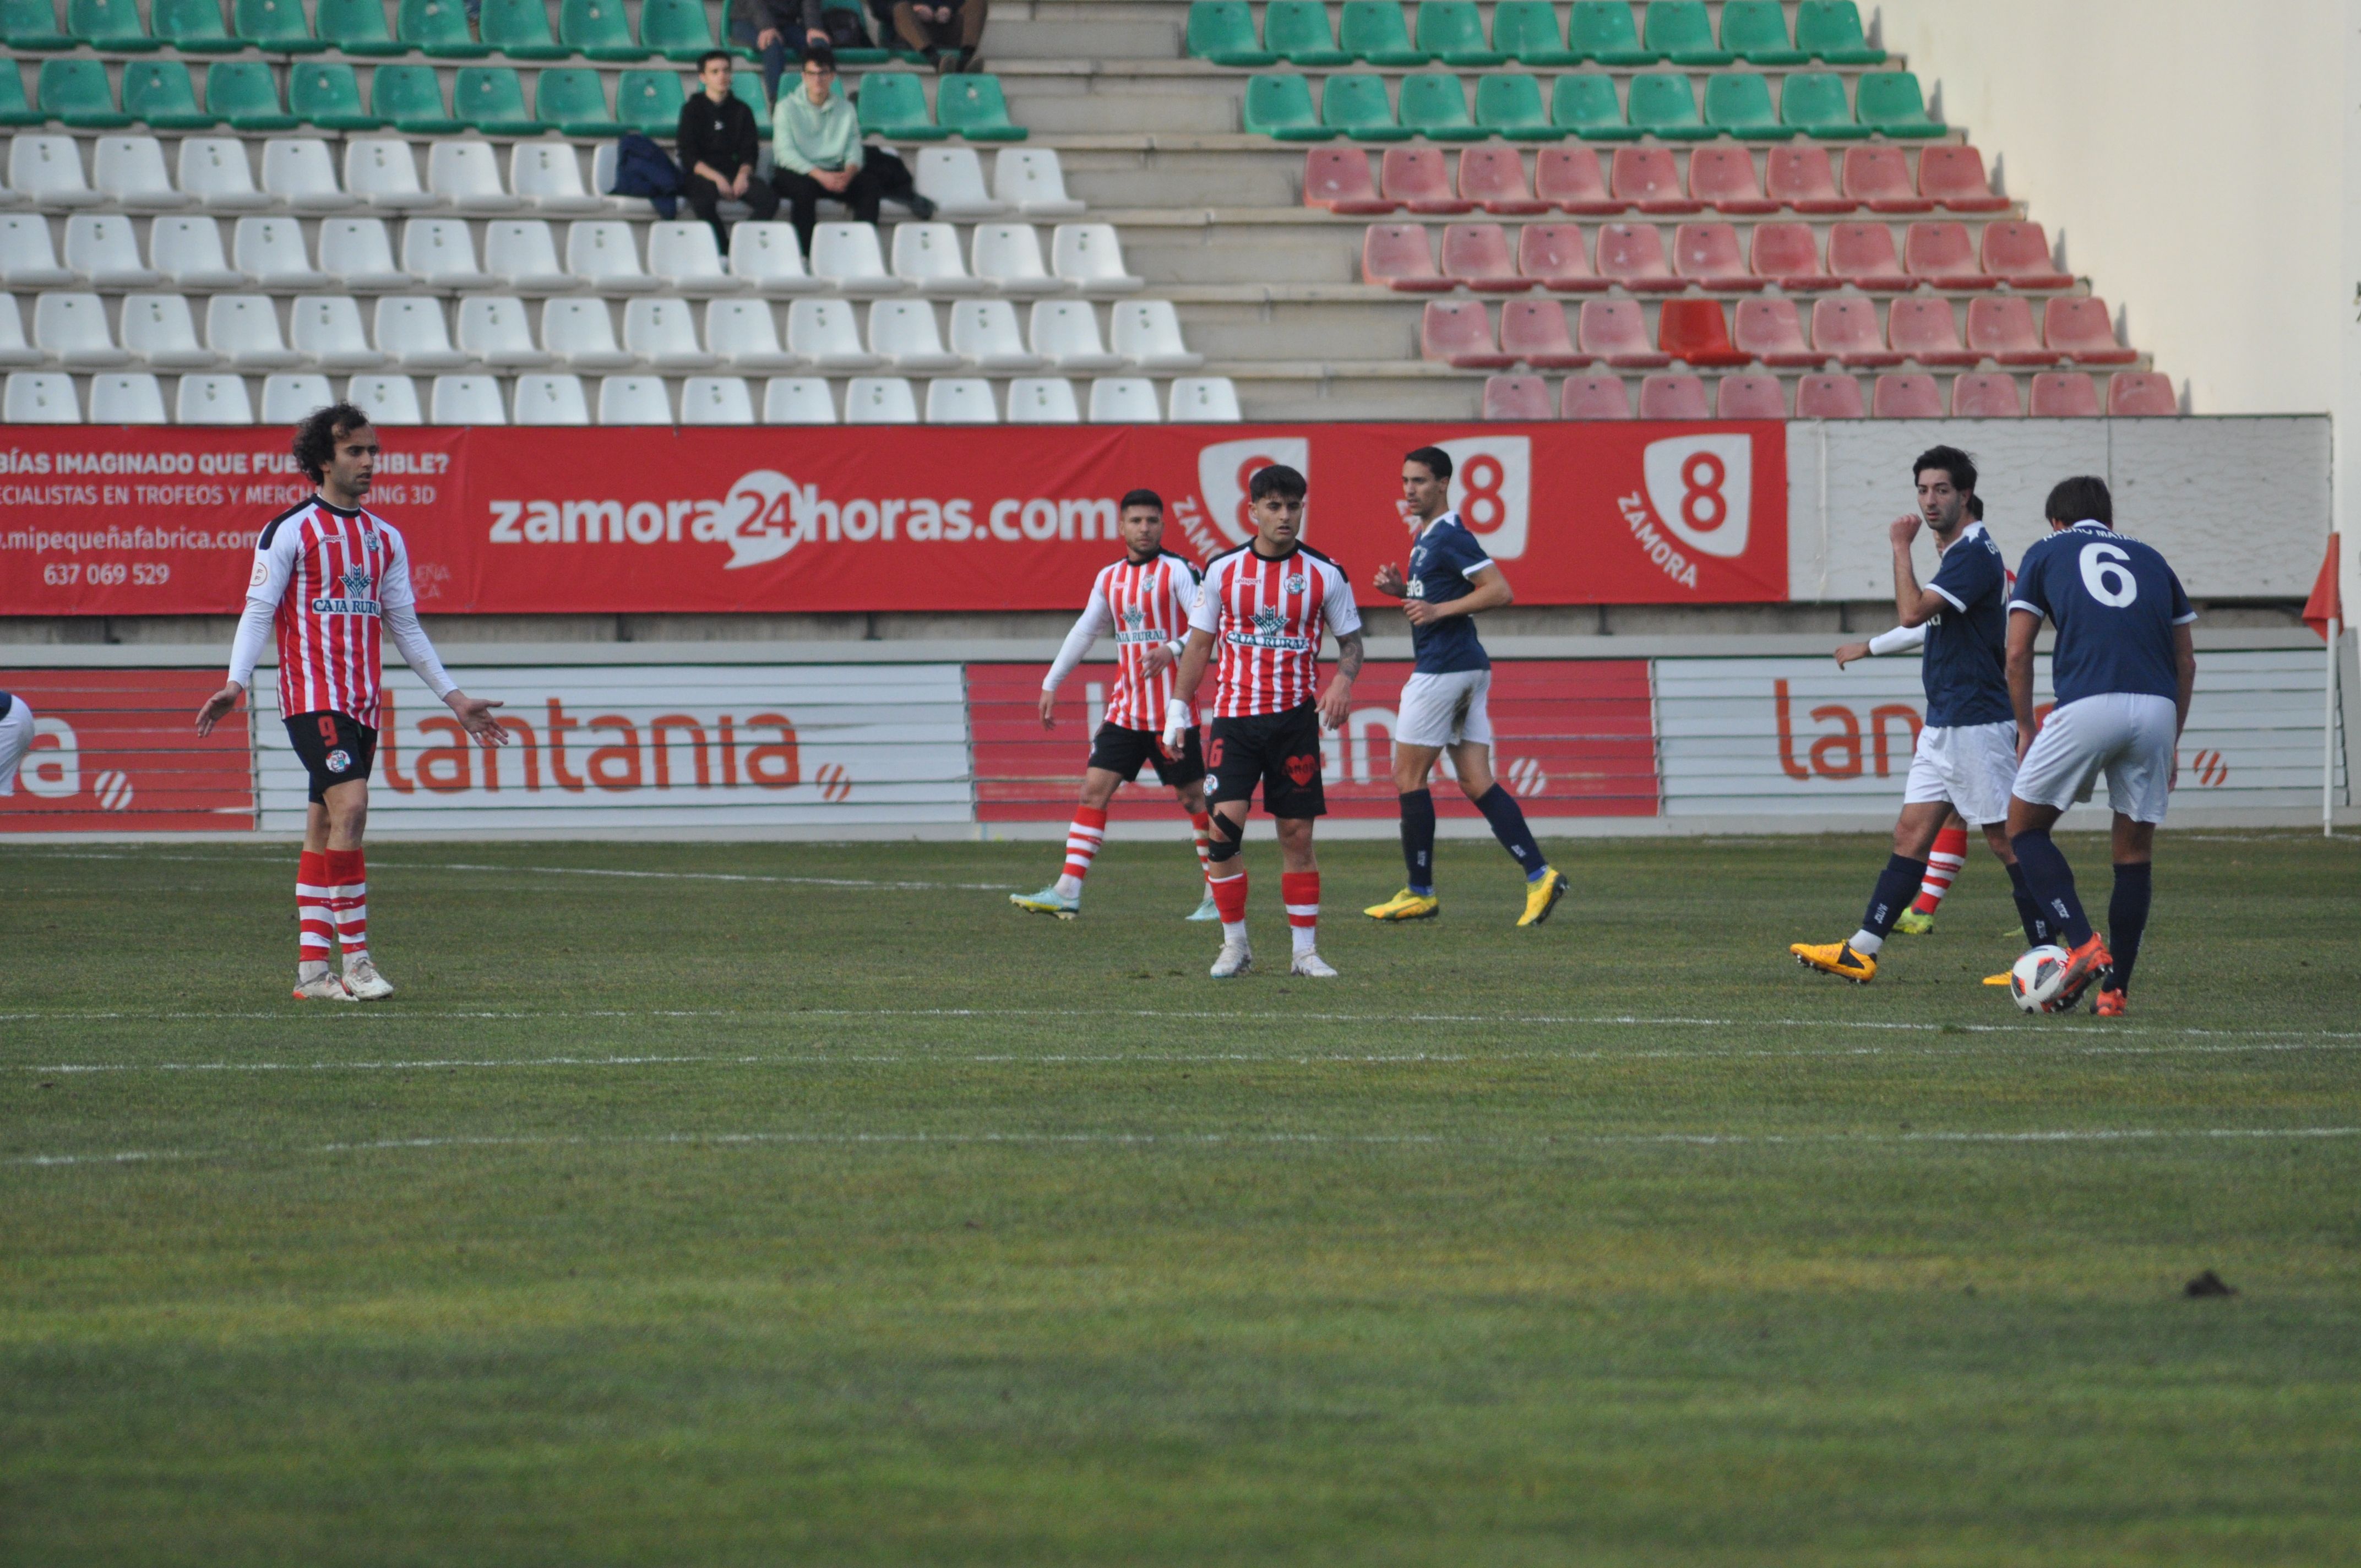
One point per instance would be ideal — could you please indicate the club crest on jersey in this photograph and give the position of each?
(356, 582)
(337, 761)
(1295, 583)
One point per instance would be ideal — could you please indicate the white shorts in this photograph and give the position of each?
(16, 735)
(2129, 736)
(1968, 767)
(1443, 710)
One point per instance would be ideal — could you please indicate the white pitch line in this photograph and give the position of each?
(389, 864)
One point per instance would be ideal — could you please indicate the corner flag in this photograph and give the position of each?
(2325, 605)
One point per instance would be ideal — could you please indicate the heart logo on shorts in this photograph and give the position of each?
(1302, 769)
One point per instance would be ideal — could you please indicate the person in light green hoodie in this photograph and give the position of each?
(815, 153)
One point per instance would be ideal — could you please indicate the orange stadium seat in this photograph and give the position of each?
(1985, 396)
(1829, 397)
(2065, 394)
(1494, 178)
(1648, 179)
(1770, 331)
(1534, 330)
(1693, 332)
(1397, 256)
(1337, 178)
(1459, 334)
(1750, 396)
(1925, 330)
(1789, 255)
(1673, 397)
(1954, 176)
(1569, 179)
(1614, 330)
(1417, 178)
(1723, 179)
(1552, 254)
(1634, 256)
(1879, 178)
(1594, 397)
(2020, 253)
(1799, 178)
(2141, 394)
(1706, 255)
(1905, 397)
(2000, 326)
(1475, 255)
(1943, 254)
(2082, 329)
(1862, 255)
(1845, 328)
(1516, 397)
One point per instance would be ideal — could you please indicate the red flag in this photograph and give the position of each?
(2324, 605)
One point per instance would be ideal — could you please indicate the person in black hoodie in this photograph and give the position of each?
(719, 143)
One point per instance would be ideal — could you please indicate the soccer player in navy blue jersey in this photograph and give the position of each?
(15, 739)
(1443, 704)
(2123, 670)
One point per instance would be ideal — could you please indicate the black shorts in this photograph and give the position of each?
(335, 748)
(1121, 751)
(1280, 752)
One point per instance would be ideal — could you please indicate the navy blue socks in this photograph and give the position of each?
(2126, 920)
(1507, 819)
(1898, 885)
(2037, 924)
(2051, 882)
(1418, 839)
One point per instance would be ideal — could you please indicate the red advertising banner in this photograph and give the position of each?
(1571, 738)
(117, 751)
(927, 517)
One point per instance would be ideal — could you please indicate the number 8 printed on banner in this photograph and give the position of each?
(1709, 490)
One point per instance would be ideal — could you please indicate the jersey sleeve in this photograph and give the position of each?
(398, 603)
(2183, 612)
(1336, 607)
(1467, 556)
(274, 565)
(396, 590)
(1205, 615)
(2030, 593)
(1089, 627)
(1967, 573)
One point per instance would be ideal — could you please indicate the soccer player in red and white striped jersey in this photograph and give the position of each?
(1266, 605)
(327, 576)
(1145, 600)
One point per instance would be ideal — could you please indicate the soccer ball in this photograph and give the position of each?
(2035, 979)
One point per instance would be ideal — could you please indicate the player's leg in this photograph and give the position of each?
(2077, 743)
(1915, 830)
(1945, 860)
(1295, 794)
(1185, 774)
(1471, 759)
(2139, 785)
(15, 739)
(1115, 756)
(1300, 886)
(1414, 765)
(317, 742)
(1233, 761)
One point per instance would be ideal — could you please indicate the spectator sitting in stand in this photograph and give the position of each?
(815, 150)
(718, 145)
(945, 31)
(781, 29)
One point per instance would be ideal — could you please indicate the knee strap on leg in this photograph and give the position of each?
(1226, 837)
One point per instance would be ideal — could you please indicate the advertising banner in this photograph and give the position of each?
(117, 751)
(928, 519)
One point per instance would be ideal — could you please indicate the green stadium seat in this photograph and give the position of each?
(1814, 105)
(491, 98)
(1526, 32)
(194, 27)
(1830, 30)
(1356, 104)
(14, 109)
(1372, 30)
(894, 105)
(1298, 32)
(1888, 100)
(1602, 30)
(1223, 32)
(1664, 105)
(573, 99)
(597, 29)
(112, 26)
(520, 29)
(1279, 106)
(276, 26)
(649, 101)
(1435, 106)
(1452, 32)
(438, 27)
(158, 94)
(1583, 101)
(1680, 31)
(410, 98)
(748, 85)
(32, 24)
(973, 105)
(75, 91)
(1509, 103)
(678, 30)
(1756, 31)
(329, 95)
(1738, 104)
(358, 26)
(241, 91)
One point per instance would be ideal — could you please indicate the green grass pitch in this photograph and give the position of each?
(808, 1204)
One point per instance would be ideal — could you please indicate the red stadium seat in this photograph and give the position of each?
(1553, 255)
(2020, 253)
(1770, 331)
(1906, 397)
(1829, 397)
(1706, 254)
(1862, 255)
(1693, 332)
(1459, 334)
(1569, 179)
(1337, 178)
(2000, 327)
(2081, 329)
(1925, 330)
(1943, 254)
(1954, 176)
(1613, 330)
(1516, 397)
(1750, 396)
(1845, 328)
(1673, 397)
(1648, 178)
(1477, 256)
(1495, 177)
(1985, 396)
(1789, 255)
(2141, 394)
(1534, 330)
(1397, 256)
(1594, 397)
(1879, 178)
(1797, 176)
(1634, 256)
(1723, 177)
(1417, 178)
(2064, 394)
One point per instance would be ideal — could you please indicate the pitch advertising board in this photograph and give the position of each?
(117, 751)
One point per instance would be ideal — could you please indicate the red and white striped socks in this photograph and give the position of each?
(1201, 822)
(1084, 837)
(1944, 862)
(1301, 892)
(315, 941)
(1230, 897)
(347, 879)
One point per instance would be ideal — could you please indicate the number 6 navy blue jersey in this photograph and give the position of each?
(2114, 603)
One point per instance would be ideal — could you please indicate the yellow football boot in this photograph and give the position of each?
(1541, 897)
(2000, 979)
(1914, 924)
(1406, 905)
(1837, 959)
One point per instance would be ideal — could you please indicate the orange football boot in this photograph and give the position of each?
(2084, 965)
(2110, 1005)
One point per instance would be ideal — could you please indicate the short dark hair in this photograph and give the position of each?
(1280, 480)
(1956, 465)
(2085, 495)
(1139, 499)
(710, 56)
(822, 55)
(1975, 506)
(315, 438)
(1437, 461)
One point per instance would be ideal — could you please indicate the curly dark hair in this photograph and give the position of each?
(315, 438)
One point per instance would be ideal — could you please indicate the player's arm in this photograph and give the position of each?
(1344, 618)
(2184, 674)
(274, 563)
(1488, 589)
(1179, 714)
(400, 610)
(1901, 640)
(1912, 606)
(1089, 627)
(2023, 626)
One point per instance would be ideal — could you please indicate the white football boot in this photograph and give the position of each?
(1311, 966)
(363, 980)
(1235, 960)
(321, 986)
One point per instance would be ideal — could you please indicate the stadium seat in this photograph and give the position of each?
(973, 106)
(892, 105)
(1814, 105)
(326, 330)
(1066, 333)
(1494, 178)
(1279, 106)
(212, 400)
(1756, 31)
(2082, 329)
(1042, 399)
(649, 101)
(76, 91)
(2018, 253)
(32, 26)
(241, 91)
(1459, 333)
(1845, 328)
(1032, 181)
(1435, 106)
(492, 330)
(244, 330)
(1475, 255)
(490, 99)
(1648, 178)
(597, 29)
(1738, 104)
(1800, 179)
(466, 399)
(1373, 31)
(1889, 104)
(952, 178)
(879, 399)
(1124, 399)
(409, 98)
(1338, 179)
(2000, 326)
(2141, 394)
(1526, 32)
(798, 399)
(1679, 31)
(1145, 333)
(129, 171)
(1954, 177)
(271, 252)
(1879, 178)
(960, 400)
(36, 397)
(1398, 256)
(1664, 105)
(1750, 396)
(661, 334)
(410, 330)
(1602, 30)
(15, 353)
(1723, 179)
(387, 399)
(14, 108)
(1941, 254)
(1223, 32)
(159, 332)
(1419, 178)
(848, 257)
(1553, 255)
(126, 397)
(985, 333)
(1569, 179)
(1706, 255)
(903, 333)
(1451, 31)
(1696, 333)
(2066, 394)
(1614, 331)
(1770, 331)
(522, 254)
(1536, 331)
(188, 250)
(328, 94)
(1905, 397)
(1830, 30)
(1010, 255)
(1673, 397)
(276, 26)
(26, 257)
(1862, 255)
(1985, 396)
(1829, 397)
(1203, 400)
(1298, 32)
(926, 258)
(824, 332)
(104, 252)
(158, 95)
(1516, 397)
(1634, 256)
(767, 257)
(357, 28)
(547, 177)
(742, 334)
(1089, 257)
(358, 254)
(635, 400)
(572, 99)
(1583, 104)
(604, 257)
(437, 29)
(1509, 105)
(1594, 397)
(299, 173)
(47, 171)
(1925, 330)
(520, 29)
(70, 329)
(675, 29)
(684, 258)
(440, 253)
(1356, 105)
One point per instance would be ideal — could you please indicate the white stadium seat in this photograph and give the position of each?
(903, 333)
(879, 400)
(39, 397)
(358, 254)
(326, 330)
(1042, 399)
(551, 399)
(1204, 399)
(635, 400)
(160, 332)
(662, 335)
(441, 253)
(847, 255)
(1066, 333)
(104, 252)
(580, 336)
(47, 171)
(1008, 256)
(387, 399)
(985, 333)
(926, 257)
(952, 178)
(547, 177)
(244, 330)
(743, 333)
(412, 332)
(685, 260)
(1148, 334)
(383, 172)
(188, 250)
(72, 330)
(130, 171)
(492, 330)
(714, 400)
(9, 198)
(767, 257)
(602, 184)
(522, 254)
(824, 332)
(27, 260)
(126, 397)
(270, 251)
(14, 351)
(1090, 256)
(604, 255)
(960, 400)
(466, 399)
(466, 175)
(1124, 399)
(297, 171)
(214, 171)
(1030, 180)
(289, 398)
(212, 400)
(798, 399)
